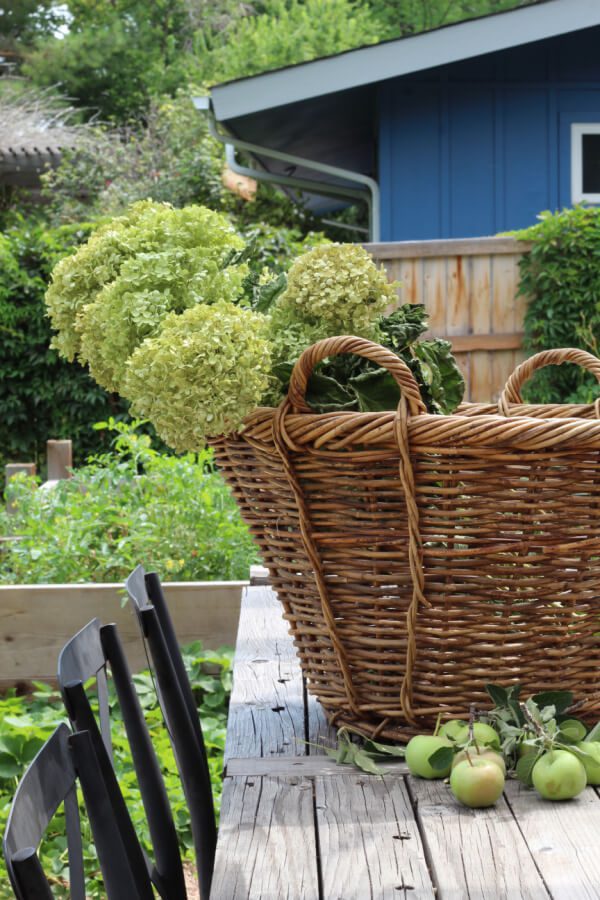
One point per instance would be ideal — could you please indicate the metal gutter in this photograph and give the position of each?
(368, 190)
(403, 56)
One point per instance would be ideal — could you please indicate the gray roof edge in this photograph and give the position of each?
(403, 56)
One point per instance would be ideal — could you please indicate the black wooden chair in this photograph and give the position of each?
(180, 713)
(84, 657)
(50, 781)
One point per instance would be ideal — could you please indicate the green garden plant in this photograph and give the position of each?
(130, 504)
(560, 277)
(26, 722)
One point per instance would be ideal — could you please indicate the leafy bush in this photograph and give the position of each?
(26, 722)
(560, 277)
(41, 396)
(286, 33)
(127, 505)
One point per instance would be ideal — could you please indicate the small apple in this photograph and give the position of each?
(478, 783)
(418, 751)
(484, 735)
(477, 753)
(558, 775)
(526, 749)
(591, 766)
(451, 728)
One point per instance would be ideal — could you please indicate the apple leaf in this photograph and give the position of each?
(594, 734)
(366, 763)
(572, 731)
(498, 694)
(441, 758)
(384, 749)
(559, 699)
(525, 768)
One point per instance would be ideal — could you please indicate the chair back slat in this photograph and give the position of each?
(101, 644)
(180, 714)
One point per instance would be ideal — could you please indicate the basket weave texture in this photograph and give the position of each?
(419, 557)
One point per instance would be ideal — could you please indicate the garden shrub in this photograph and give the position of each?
(130, 504)
(560, 276)
(41, 396)
(26, 722)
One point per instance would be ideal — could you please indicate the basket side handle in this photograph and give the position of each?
(346, 343)
(523, 372)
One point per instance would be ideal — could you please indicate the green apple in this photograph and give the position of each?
(591, 766)
(484, 735)
(558, 775)
(418, 751)
(478, 783)
(525, 749)
(451, 728)
(477, 753)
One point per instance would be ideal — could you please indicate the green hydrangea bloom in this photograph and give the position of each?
(133, 307)
(204, 238)
(205, 371)
(338, 286)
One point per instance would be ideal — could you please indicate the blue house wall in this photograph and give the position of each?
(483, 146)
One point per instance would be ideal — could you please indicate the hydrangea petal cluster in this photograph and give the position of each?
(339, 286)
(204, 372)
(182, 250)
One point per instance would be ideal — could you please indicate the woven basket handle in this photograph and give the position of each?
(346, 343)
(523, 372)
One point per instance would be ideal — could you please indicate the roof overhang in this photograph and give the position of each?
(403, 56)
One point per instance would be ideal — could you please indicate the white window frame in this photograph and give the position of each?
(578, 129)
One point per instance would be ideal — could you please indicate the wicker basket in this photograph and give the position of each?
(418, 557)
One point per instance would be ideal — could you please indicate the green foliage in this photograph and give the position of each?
(406, 17)
(287, 32)
(206, 370)
(26, 722)
(117, 289)
(169, 156)
(41, 396)
(129, 504)
(560, 276)
(115, 56)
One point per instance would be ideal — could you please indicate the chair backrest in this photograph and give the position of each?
(180, 713)
(50, 781)
(86, 656)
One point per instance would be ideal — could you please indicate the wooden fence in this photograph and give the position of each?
(469, 288)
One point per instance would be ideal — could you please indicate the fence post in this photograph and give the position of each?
(60, 459)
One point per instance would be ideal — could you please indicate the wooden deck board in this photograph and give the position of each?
(563, 840)
(474, 853)
(369, 840)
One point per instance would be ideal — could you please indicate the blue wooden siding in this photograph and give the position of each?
(483, 146)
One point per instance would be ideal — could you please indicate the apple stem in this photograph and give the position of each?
(471, 724)
(437, 724)
(468, 755)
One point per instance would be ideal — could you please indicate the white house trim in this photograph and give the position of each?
(367, 65)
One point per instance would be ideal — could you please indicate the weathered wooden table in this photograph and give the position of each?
(295, 825)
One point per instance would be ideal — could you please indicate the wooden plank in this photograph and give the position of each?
(37, 620)
(307, 766)
(563, 839)
(469, 342)
(267, 842)
(411, 278)
(474, 853)
(369, 840)
(59, 456)
(266, 711)
(453, 247)
(481, 384)
(457, 297)
(434, 293)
